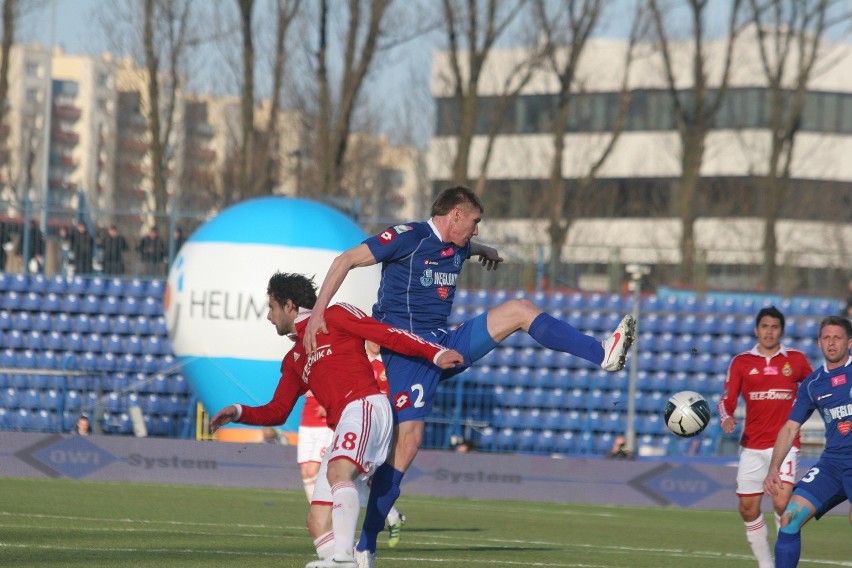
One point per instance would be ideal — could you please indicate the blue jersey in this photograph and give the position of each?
(419, 273)
(830, 392)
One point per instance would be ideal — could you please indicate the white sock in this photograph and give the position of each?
(324, 545)
(309, 484)
(759, 542)
(344, 515)
(393, 516)
(777, 524)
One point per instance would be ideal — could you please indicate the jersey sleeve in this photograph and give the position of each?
(355, 322)
(803, 406)
(733, 384)
(276, 411)
(394, 242)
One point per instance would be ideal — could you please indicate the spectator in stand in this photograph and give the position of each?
(34, 261)
(114, 246)
(5, 243)
(178, 238)
(847, 311)
(82, 249)
(152, 253)
(84, 428)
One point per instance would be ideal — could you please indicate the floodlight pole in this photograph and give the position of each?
(636, 272)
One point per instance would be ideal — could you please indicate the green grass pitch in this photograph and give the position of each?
(59, 523)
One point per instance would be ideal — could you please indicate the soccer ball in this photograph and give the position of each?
(687, 414)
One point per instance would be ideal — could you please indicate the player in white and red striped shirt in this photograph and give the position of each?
(341, 378)
(767, 378)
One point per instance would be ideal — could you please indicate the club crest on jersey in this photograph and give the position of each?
(443, 292)
(400, 229)
(386, 236)
(787, 369)
(844, 427)
(838, 380)
(447, 252)
(457, 260)
(427, 278)
(402, 401)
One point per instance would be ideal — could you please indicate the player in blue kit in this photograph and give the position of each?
(421, 262)
(829, 481)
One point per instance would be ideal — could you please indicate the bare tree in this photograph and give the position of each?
(472, 29)
(789, 40)
(9, 12)
(694, 108)
(566, 28)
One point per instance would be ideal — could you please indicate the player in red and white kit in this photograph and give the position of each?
(314, 438)
(341, 378)
(767, 378)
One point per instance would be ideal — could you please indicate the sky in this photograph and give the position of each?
(68, 24)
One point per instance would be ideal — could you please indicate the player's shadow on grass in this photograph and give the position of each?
(439, 530)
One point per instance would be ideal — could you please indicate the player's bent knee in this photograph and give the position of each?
(796, 514)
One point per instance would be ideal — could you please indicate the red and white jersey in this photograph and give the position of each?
(338, 372)
(379, 374)
(312, 417)
(768, 387)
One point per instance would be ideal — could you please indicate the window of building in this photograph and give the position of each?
(33, 69)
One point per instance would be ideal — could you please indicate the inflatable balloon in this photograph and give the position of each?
(216, 301)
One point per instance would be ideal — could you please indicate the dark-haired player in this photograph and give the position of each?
(341, 378)
(766, 377)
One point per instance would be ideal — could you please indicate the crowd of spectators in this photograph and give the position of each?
(80, 251)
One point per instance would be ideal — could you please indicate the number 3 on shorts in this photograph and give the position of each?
(812, 473)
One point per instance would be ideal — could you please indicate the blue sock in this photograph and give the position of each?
(384, 491)
(788, 549)
(560, 336)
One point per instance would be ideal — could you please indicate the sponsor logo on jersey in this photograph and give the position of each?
(838, 380)
(322, 351)
(457, 260)
(386, 236)
(837, 412)
(447, 252)
(430, 262)
(443, 292)
(430, 277)
(754, 371)
(771, 394)
(844, 427)
(296, 356)
(400, 229)
(787, 369)
(824, 396)
(770, 371)
(402, 400)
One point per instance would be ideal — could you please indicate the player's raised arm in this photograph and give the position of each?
(489, 258)
(340, 267)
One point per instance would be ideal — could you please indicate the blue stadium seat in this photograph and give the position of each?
(88, 361)
(69, 360)
(704, 343)
(522, 376)
(100, 323)
(52, 400)
(62, 322)
(657, 381)
(91, 304)
(27, 359)
(505, 356)
(525, 440)
(22, 321)
(745, 325)
(575, 399)
(76, 285)
(179, 384)
(551, 419)
(114, 402)
(93, 342)
(679, 380)
(21, 419)
(33, 339)
(506, 439)
(595, 399)
(107, 362)
(650, 323)
(71, 303)
(95, 286)
(113, 344)
(501, 376)
(728, 324)
(81, 323)
(48, 359)
(133, 344)
(566, 443)
(31, 301)
(110, 305)
(156, 288)
(545, 442)
(525, 357)
(487, 438)
(646, 361)
(672, 323)
(121, 324)
(615, 303)
(29, 398)
(509, 396)
(615, 400)
(699, 382)
(664, 361)
(536, 397)
(73, 341)
(159, 383)
(128, 363)
(554, 378)
(56, 284)
(18, 282)
(136, 287)
(743, 343)
(707, 325)
(5, 419)
(115, 287)
(593, 322)
(8, 358)
(5, 320)
(687, 323)
(649, 423)
(42, 322)
(808, 327)
(9, 398)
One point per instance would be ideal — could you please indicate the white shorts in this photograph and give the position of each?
(754, 465)
(363, 436)
(313, 440)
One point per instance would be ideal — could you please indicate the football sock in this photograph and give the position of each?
(788, 548)
(384, 492)
(324, 544)
(393, 516)
(756, 535)
(309, 484)
(561, 336)
(344, 515)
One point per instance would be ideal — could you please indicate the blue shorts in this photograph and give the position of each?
(827, 484)
(413, 381)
